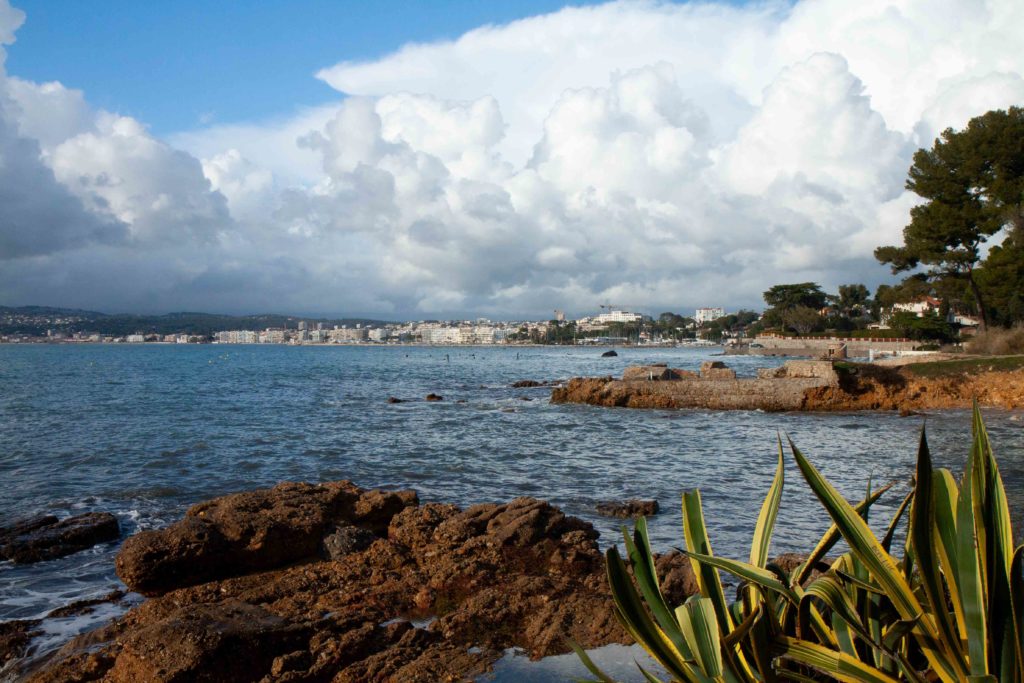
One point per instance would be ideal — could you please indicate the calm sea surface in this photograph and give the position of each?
(146, 431)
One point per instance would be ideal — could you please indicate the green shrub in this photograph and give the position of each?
(950, 609)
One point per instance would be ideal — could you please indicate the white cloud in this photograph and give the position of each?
(652, 154)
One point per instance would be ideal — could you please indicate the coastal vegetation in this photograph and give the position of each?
(972, 184)
(949, 608)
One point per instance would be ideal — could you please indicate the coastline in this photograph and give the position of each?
(334, 582)
(812, 386)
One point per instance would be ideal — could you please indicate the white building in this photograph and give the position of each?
(135, 338)
(348, 335)
(435, 334)
(271, 337)
(238, 337)
(920, 308)
(706, 315)
(616, 317)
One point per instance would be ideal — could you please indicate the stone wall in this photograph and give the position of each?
(803, 346)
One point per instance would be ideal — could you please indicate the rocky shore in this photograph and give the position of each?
(808, 386)
(331, 582)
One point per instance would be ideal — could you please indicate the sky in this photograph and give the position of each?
(460, 159)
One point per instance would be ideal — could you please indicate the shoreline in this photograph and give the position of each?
(811, 386)
(334, 582)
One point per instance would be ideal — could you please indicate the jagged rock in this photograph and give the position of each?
(527, 384)
(345, 540)
(519, 574)
(46, 538)
(15, 637)
(249, 532)
(627, 508)
(224, 641)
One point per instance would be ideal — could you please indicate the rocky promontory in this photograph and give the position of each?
(808, 386)
(332, 582)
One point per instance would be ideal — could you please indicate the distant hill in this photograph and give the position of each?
(36, 320)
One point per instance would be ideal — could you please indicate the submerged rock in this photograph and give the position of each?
(627, 508)
(527, 384)
(47, 538)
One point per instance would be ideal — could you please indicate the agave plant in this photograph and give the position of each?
(951, 609)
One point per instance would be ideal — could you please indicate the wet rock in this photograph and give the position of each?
(346, 539)
(609, 354)
(80, 607)
(527, 384)
(249, 532)
(434, 397)
(392, 399)
(627, 508)
(520, 574)
(15, 637)
(46, 538)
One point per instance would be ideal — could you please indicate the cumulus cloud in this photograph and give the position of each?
(658, 155)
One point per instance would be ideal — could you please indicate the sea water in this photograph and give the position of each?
(144, 431)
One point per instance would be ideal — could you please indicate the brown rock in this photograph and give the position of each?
(45, 538)
(520, 574)
(250, 532)
(657, 372)
(392, 399)
(627, 508)
(676, 577)
(15, 637)
(219, 642)
(434, 397)
(527, 384)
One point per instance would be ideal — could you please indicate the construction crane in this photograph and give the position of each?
(616, 307)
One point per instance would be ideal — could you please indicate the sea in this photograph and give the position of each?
(146, 430)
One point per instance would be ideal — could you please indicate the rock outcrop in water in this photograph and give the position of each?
(627, 508)
(47, 538)
(413, 592)
(798, 385)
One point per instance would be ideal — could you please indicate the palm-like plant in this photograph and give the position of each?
(951, 609)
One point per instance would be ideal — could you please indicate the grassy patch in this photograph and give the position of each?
(945, 368)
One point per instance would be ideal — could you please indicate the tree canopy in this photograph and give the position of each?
(784, 297)
(972, 182)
